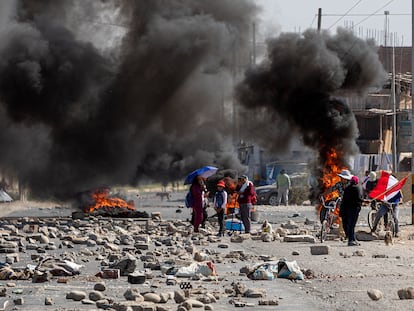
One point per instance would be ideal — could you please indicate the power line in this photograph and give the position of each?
(397, 14)
(363, 20)
(314, 17)
(346, 13)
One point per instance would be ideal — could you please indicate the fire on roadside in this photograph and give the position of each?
(332, 168)
(102, 200)
(232, 203)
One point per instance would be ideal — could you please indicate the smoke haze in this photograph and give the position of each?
(115, 92)
(297, 90)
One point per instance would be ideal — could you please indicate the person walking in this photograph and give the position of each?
(350, 208)
(197, 192)
(246, 192)
(283, 186)
(219, 203)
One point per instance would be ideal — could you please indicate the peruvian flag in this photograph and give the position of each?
(388, 188)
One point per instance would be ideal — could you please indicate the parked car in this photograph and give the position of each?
(267, 194)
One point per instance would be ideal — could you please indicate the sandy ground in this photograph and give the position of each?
(341, 278)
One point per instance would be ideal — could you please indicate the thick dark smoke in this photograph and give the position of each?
(115, 92)
(298, 90)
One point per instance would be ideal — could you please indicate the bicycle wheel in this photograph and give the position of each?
(371, 218)
(324, 230)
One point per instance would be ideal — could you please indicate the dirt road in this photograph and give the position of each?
(340, 279)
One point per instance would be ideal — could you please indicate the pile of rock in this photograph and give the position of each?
(132, 264)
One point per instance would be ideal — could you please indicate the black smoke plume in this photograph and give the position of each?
(298, 91)
(115, 92)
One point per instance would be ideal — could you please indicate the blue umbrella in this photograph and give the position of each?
(204, 172)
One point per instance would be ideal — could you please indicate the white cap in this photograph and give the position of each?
(345, 174)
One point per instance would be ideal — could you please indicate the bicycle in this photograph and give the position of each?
(387, 222)
(327, 216)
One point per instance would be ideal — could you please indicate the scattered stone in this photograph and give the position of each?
(320, 250)
(309, 274)
(406, 293)
(133, 294)
(103, 304)
(359, 253)
(379, 256)
(48, 301)
(96, 295)
(125, 266)
(136, 278)
(40, 277)
(179, 296)
(110, 273)
(254, 293)
(87, 302)
(18, 301)
(375, 294)
(223, 245)
(100, 287)
(152, 297)
(364, 236)
(192, 303)
(271, 302)
(299, 238)
(239, 304)
(171, 280)
(236, 239)
(76, 295)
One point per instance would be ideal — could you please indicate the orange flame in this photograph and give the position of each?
(232, 195)
(102, 200)
(330, 178)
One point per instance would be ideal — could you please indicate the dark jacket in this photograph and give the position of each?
(352, 199)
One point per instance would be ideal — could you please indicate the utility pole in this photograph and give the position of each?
(386, 29)
(412, 114)
(319, 18)
(394, 116)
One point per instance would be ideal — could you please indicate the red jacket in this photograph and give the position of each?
(247, 195)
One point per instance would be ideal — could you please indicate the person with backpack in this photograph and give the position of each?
(197, 201)
(246, 195)
(219, 203)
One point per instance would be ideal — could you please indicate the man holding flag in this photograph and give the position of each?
(388, 190)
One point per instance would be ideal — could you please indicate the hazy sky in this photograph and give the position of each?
(365, 16)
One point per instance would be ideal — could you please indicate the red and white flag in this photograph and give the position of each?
(388, 187)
